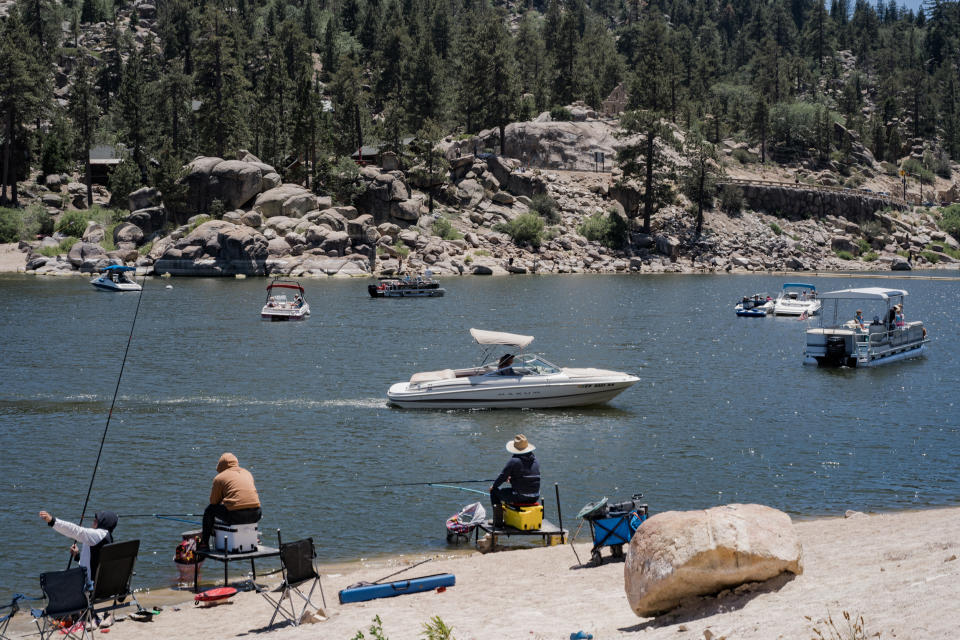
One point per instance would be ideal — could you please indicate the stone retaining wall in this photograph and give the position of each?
(796, 203)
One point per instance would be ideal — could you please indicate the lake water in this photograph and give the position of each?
(724, 411)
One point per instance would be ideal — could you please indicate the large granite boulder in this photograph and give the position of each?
(198, 182)
(149, 220)
(382, 191)
(216, 247)
(235, 182)
(286, 200)
(144, 197)
(82, 253)
(127, 232)
(94, 232)
(555, 145)
(679, 555)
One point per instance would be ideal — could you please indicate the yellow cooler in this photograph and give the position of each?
(524, 518)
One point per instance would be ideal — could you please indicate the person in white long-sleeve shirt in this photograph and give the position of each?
(91, 538)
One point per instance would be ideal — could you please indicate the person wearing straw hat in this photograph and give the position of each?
(522, 471)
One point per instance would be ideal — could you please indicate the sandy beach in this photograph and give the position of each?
(12, 259)
(898, 571)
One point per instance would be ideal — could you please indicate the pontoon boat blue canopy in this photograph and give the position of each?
(117, 267)
(799, 285)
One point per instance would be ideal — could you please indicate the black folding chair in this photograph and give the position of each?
(112, 583)
(66, 593)
(296, 563)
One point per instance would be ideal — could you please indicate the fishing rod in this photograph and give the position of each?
(176, 517)
(420, 484)
(450, 486)
(113, 402)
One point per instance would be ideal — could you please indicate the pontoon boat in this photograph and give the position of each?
(518, 381)
(114, 278)
(419, 287)
(796, 298)
(279, 308)
(842, 341)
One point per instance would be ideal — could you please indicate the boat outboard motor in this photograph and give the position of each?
(836, 351)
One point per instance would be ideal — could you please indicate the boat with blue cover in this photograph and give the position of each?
(115, 278)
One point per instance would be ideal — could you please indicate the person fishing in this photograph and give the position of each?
(233, 498)
(92, 539)
(522, 471)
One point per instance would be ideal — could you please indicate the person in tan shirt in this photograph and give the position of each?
(233, 498)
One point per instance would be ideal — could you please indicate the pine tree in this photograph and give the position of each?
(23, 92)
(644, 134)
(132, 106)
(700, 176)
(220, 86)
(85, 112)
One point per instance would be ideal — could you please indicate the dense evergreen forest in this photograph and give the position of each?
(312, 79)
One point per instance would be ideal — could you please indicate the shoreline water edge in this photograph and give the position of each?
(892, 573)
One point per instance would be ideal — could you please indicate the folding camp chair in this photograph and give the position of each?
(14, 607)
(296, 563)
(112, 583)
(66, 593)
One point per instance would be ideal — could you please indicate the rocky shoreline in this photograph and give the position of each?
(251, 223)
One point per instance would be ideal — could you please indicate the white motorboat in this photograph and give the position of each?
(840, 341)
(115, 278)
(797, 298)
(278, 308)
(515, 381)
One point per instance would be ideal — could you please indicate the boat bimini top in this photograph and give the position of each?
(798, 285)
(867, 293)
(497, 337)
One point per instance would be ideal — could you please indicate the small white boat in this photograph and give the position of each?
(797, 298)
(279, 308)
(756, 306)
(515, 381)
(841, 341)
(115, 278)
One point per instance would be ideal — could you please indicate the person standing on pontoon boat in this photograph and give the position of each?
(91, 539)
(233, 498)
(858, 320)
(522, 471)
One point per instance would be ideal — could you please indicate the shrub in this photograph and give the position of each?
(402, 250)
(777, 229)
(863, 245)
(546, 207)
(731, 199)
(217, 209)
(870, 256)
(743, 156)
(930, 256)
(199, 220)
(916, 169)
(950, 220)
(843, 254)
(560, 114)
(482, 252)
(525, 228)
(24, 224)
(609, 230)
(436, 629)
(442, 227)
(124, 180)
(74, 223)
(63, 247)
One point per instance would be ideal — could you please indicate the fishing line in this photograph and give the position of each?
(418, 484)
(450, 486)
(113, 402)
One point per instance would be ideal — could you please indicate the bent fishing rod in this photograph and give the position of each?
(113, 402)
(423, 484)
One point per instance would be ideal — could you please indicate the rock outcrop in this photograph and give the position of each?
(215, 248)
(678, 555)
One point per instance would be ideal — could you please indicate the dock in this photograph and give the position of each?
(548, 532)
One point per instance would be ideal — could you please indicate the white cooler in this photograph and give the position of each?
(235, 538)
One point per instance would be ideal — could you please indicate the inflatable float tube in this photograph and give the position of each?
(214, 596)
(366, 591)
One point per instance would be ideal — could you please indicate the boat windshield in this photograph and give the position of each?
(536, 365)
